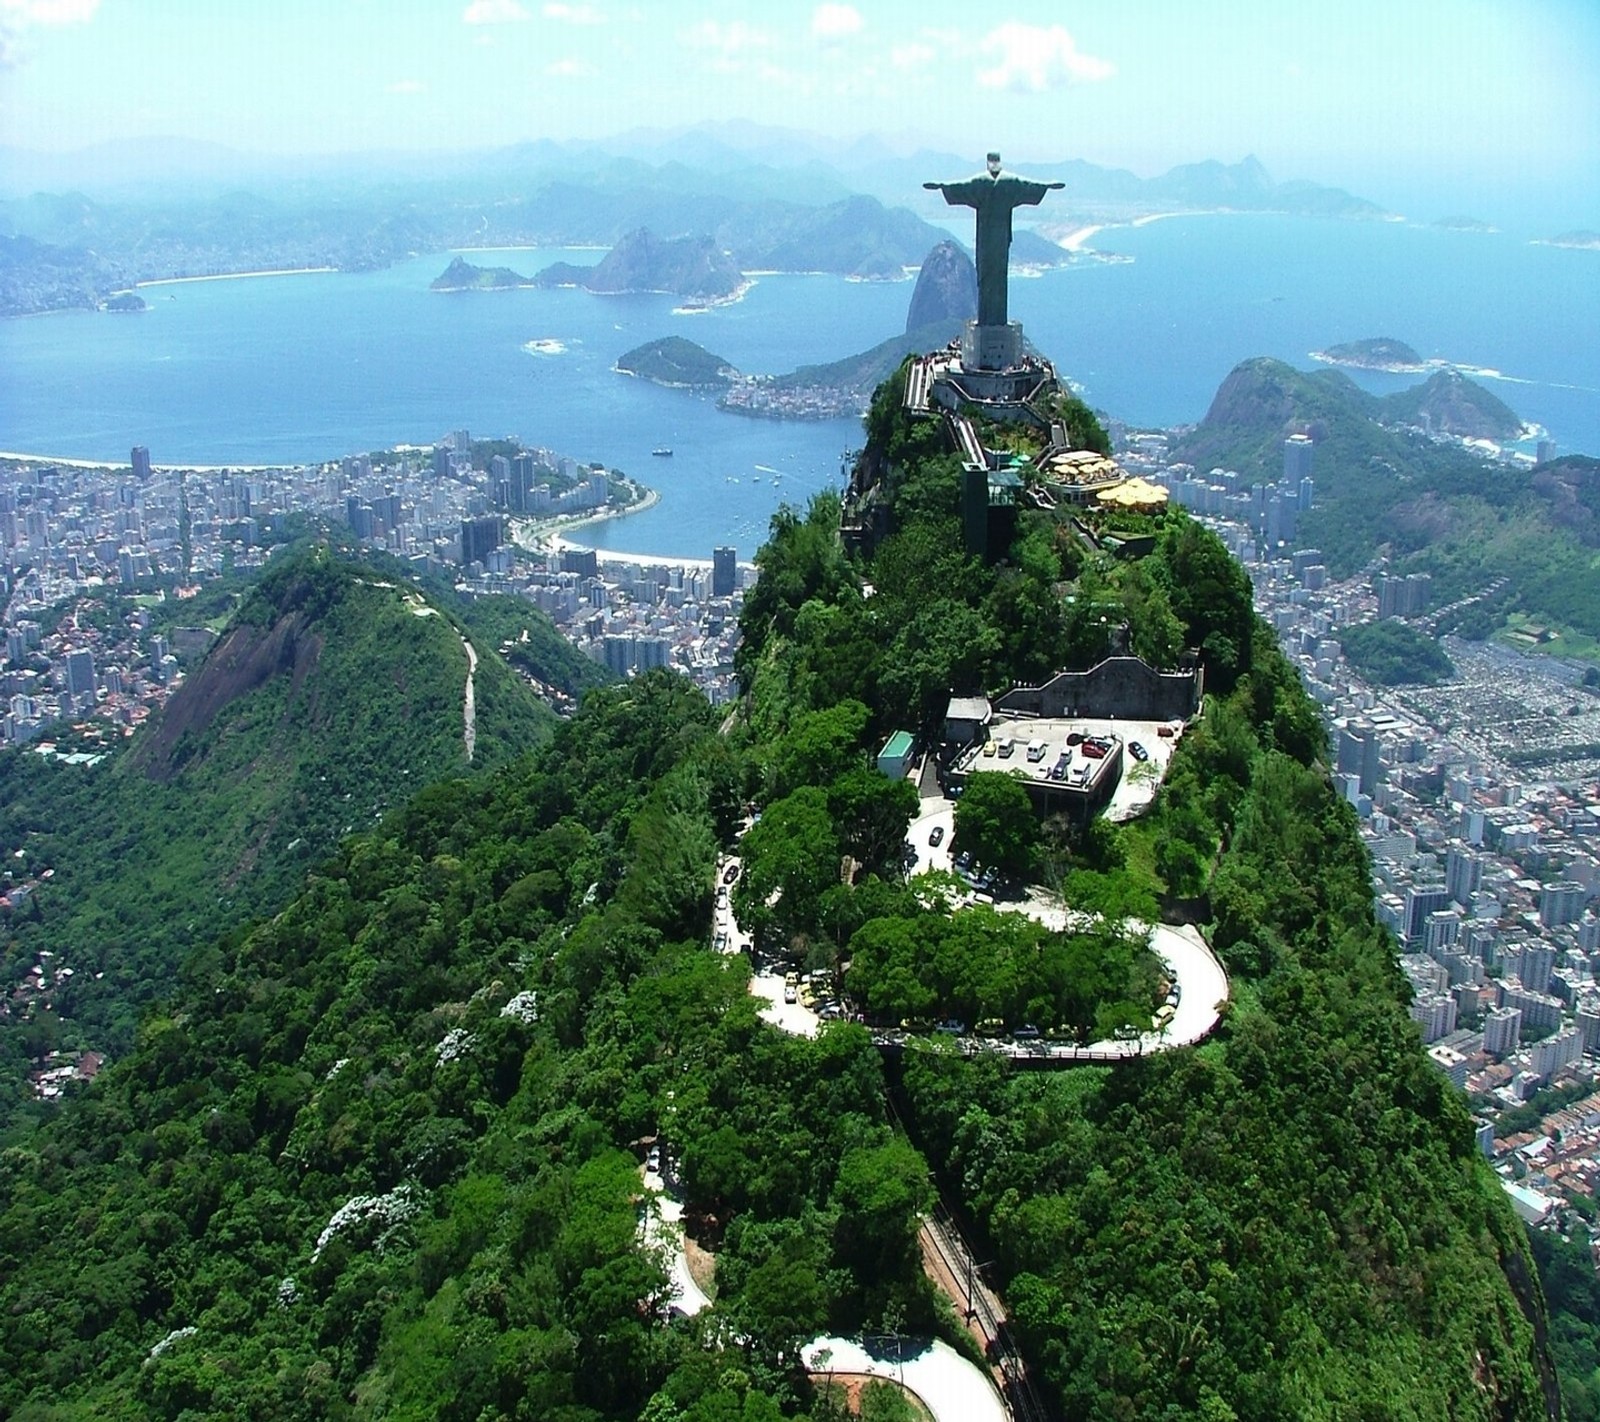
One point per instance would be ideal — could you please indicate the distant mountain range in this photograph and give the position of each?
(76, 227)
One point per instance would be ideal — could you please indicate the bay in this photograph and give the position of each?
(290, 369)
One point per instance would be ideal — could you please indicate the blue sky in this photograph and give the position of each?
(1420, 103)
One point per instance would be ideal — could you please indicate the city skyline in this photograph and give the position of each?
(1441, 105)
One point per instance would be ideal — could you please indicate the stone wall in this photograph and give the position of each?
(1121, 688)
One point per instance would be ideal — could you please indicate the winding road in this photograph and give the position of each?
(470, 715)
(950, 1387)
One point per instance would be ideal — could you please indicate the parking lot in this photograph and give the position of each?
(1077, 753)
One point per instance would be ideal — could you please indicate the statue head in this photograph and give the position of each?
(994, 165)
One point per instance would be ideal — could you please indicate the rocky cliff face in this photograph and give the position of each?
(947, 288)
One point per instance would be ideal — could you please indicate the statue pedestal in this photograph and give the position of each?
(991, 347)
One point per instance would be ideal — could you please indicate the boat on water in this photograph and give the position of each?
(662, 453)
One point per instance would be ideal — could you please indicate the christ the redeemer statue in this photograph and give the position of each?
(994, 194)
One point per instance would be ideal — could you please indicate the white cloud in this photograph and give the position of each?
(1033, 58)
(47, 12)
(569, 69)
(834, 22)
(734, 38)
(913, 55)
(573, 14)
(406, 86)
(17, 17)
(493, 12)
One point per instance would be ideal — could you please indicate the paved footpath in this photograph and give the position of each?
(950, 1387)
(664, 1228)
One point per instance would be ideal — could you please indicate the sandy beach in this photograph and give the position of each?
(550, 535)
(1076, 241)
(232, 276)
(12, 455)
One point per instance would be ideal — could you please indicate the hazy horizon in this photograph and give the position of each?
(1480, 107)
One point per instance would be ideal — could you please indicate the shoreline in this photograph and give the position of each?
(14, 456)
(232, 276)
(1079, 238)
(552, 536)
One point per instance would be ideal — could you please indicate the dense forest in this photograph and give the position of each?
(328, 698)
(1390, 653)
(378, 1155)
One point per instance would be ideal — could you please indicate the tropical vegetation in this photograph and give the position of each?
(379, 1153)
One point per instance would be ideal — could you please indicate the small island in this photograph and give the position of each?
(124, 301)
(461, 275)
(1581, 240)
(1378, 353)
(678, 364)
(1465, 224)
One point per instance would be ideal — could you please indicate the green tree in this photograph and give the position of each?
(995, 822)
(791, 858)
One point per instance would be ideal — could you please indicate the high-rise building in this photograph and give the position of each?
(1420, 902)
(1561, 902)
(1435, 1013)
(650, 652)
(1440, 930)
(1538, 962)
(1546, 1058)
(141, 462)
(617, 652)
(1463, 873)
(1297, 451)
(80, 672)
(1361, 754)
(1589, 1028)
(521, 481)
(1502, 1031)
(724, 571)
(479, 538)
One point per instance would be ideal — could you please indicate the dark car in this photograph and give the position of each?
(937, 837)
(1137, 751)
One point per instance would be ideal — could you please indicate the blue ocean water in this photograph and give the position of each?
(1150, 340)
(308, 367)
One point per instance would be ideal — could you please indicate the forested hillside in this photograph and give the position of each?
(1289, 1221)
(379, 1156)
(334, 692)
